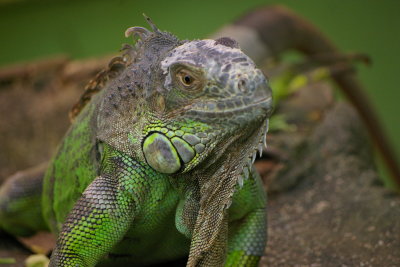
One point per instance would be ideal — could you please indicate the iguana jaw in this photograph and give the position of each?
(244, 149)
(213, 107)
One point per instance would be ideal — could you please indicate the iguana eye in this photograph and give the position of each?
(185, 78)
(188, 78)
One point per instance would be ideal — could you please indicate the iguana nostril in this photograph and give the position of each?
(242, 85)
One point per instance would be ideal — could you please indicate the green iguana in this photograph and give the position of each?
(158, 164)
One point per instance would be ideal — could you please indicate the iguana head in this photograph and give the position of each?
(179, 104)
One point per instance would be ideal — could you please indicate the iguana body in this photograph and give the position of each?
(155, 166)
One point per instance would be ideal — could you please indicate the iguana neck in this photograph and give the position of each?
(215, 187)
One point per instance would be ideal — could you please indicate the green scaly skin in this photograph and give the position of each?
(158, 165)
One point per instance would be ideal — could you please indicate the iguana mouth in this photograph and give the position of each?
(230, 107)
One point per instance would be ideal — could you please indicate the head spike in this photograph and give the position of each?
(254, 156)
(151, 23)
(137, 31)
(265, 141)
(260, 149)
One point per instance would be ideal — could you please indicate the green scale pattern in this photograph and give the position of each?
(101, 216)
(102, 220)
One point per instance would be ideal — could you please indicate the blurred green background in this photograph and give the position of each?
(34, 29)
